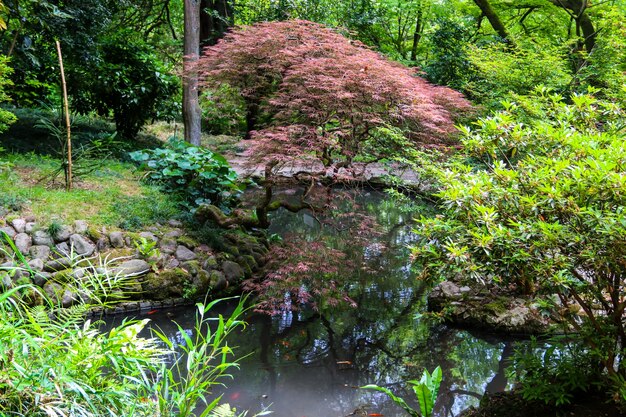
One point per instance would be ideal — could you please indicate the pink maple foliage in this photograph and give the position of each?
(312, 93)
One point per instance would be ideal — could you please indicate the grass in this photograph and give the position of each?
(110, 196)
(223, 144)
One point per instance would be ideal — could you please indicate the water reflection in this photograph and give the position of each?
(311, 363)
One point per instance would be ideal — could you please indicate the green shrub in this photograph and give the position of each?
(543, 212)
(55, 363)
(196, 174)
(555, 373)
(6, 117)
(498, 71)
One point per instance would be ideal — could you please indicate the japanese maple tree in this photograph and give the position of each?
(324, 103)
(308, 89)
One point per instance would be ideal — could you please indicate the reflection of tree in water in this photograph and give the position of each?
(324, 354)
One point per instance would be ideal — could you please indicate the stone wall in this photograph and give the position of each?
(164, 264)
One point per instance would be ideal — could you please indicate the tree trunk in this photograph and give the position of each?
(216, 16)
(494, 20)
(417, 34)
(578, 10)
(66, 110)
(191, 106)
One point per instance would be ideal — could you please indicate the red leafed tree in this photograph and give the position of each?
(306, 81)
(320, 101)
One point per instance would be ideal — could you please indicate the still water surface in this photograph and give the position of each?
(310, 364)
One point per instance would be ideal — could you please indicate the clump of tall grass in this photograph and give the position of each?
(56, 363)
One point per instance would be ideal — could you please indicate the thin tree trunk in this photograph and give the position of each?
(191, 106)
(66, 107)
(417, 34)
(494, 20)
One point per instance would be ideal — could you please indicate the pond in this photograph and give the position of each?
(310, 363)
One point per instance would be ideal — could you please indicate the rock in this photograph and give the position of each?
(40, 278)
(102, 244)
(168, 246)
(149, 236)
(63, 249)
(193, 267)
(133, 267)
(19, 225)
(479, 308)
(82, 246)
(165, 285)
(39, 252)
(5, 280)
(184, 254)
(30, 227)
(57, 265)
(210, 263)
(23, 242)
(56, 291)
(174, 223)
(173, 263)
(9, 231)
(218, 280)
(117, 239)
(42, 238)
(63, 234)
(80, 227)
(36, 264)
(173, 234)
(232, 271)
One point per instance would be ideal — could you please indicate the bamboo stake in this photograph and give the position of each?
(68, 178)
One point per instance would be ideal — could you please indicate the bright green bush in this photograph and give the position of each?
(544, 211)
(498, 71)
(54, 363)
(6, 117)
(197, 174)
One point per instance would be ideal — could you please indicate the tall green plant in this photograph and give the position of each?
(426, 391)
(55, 363)
(203, 360)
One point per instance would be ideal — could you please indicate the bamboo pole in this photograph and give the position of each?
(68, 172)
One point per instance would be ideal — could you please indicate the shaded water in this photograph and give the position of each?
(310, 363)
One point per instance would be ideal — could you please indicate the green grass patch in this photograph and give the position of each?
(110, 196)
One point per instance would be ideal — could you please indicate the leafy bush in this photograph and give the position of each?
(56, 363)
(543, 213)
(196, 174)
(553, 375)
(131, 82)
(6, 117)
(498, 71)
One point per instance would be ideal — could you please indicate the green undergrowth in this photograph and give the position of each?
(113, 195)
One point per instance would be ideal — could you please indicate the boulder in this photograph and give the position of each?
(184, 254)
(82, 246)
(117, 239)
(63, 234)
(23, 242)
(168, 246)
(80, 227)
(232, 271)
(164, 285)
(19, 225)
(9, 231)
(36, 264)
(39, 252)
(480, 308)
(149, 236)
(30, 227)
(133, 267)
(42, 238)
